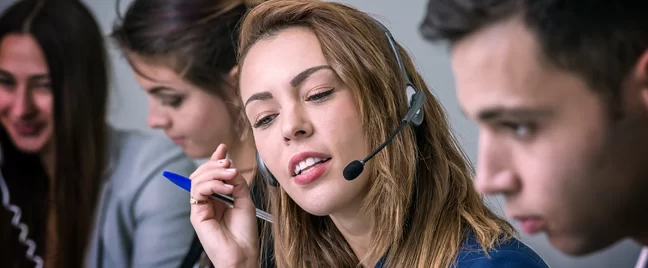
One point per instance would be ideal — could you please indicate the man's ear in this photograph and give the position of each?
(641, 73)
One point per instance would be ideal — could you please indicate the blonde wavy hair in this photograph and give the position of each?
(429, 164)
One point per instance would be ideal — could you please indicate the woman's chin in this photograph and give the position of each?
(316, 211)
(197, 152)
(316, 207)
(30, 145)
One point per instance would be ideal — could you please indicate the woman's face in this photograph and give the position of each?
(193, 118)
(26, 102)
(305, 121)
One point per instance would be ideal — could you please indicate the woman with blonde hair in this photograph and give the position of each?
(325, 85)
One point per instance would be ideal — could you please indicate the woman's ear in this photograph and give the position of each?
(232, 80)
(241, 123)
(233, 73)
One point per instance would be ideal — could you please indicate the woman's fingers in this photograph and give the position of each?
(241, 192)
(212, 209)
(211, 164)
(220, 153)
(224, 174)
(217, 160)
(207, 188)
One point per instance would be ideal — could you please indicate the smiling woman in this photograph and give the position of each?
(63, 164)
(324, 84)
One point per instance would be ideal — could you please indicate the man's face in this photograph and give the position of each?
(548, 144)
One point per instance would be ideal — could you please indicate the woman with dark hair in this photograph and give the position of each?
(87, 194)
(183, 54)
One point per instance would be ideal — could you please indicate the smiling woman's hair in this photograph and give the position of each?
(73, 48)
(446, 207)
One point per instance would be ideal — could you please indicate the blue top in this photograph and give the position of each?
(511, 254)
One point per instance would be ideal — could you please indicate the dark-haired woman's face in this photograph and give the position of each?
(193, 118)
(26, 103)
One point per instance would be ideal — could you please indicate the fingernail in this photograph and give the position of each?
(230, 169)
(229, 185)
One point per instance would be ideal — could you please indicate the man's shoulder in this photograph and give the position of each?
(509, 253)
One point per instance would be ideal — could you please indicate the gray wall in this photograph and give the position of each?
(4, 4)
(129, 106)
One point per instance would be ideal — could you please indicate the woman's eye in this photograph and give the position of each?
(264, 121)
(173, 101)
(320, 96)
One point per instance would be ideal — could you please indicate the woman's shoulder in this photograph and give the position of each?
(130, 146)
(508, 253)
(140, 141)
(137, 159)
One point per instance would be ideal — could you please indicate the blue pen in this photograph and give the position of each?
(185, 183)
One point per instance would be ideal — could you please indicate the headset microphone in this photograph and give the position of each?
(414, 115)
(353, 169)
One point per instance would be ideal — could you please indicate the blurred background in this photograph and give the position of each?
(128, 107)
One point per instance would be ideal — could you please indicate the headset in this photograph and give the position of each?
(413, 116)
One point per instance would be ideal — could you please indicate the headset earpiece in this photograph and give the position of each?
(416, 99)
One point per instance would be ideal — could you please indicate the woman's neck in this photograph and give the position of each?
(242, 155)
(356, 227)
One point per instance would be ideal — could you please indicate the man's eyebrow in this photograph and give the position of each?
(265, 95)
(495, 113)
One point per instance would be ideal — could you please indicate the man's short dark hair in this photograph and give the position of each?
(599, 40)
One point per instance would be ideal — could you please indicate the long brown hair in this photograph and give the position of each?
(425, 230)
(74, 50)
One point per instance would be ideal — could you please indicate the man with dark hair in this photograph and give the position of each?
(559, 90)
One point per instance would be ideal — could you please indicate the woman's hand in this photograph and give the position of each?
(229, 236)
